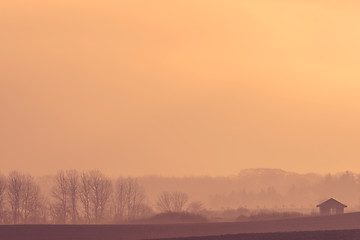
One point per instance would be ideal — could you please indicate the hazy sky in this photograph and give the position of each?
(179, 87)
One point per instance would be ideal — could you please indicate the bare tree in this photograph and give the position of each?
(101, 189)
(2, 198)
(73, 191)
(172, 201)
(119, 200)
(30, 200)
(128, 199)
(23, 197)
(15, 182)
(164, 202)
(95, 193)
(85, 193)
(60, 195)
(179, 201)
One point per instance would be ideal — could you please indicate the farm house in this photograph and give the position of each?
(331, 207)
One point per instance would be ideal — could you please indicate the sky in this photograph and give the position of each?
(179, 88)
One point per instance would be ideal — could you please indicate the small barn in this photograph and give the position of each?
(331, 207)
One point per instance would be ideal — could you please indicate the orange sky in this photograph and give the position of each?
(179, 87)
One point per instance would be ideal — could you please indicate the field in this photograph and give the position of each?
(310, 235)
(290, 229)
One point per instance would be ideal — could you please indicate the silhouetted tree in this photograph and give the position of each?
(128, 199)
(101, 190)
(85, 192)
(60, 194)
(15, 182)
(73, 191)
(172, 201)
(65, 193)
(31, 200)
(164, 202)
(23, 197)
(2, 198)
(95, 192)
(179, 199)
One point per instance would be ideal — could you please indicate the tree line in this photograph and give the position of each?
(82, 198)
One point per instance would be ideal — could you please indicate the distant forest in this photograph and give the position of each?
(73, 196)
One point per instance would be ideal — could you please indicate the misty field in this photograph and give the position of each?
(326, 227)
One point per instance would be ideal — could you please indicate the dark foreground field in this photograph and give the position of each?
(155, 231)
(311, 235)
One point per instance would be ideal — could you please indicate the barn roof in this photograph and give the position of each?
(332, 203)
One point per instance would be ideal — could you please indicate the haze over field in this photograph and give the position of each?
(179, 88)
(252, 189)
(157, 119)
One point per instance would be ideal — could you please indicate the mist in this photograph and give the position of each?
(67, 197)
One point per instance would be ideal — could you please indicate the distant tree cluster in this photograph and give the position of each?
(288, 191)
(81, 197)
(92, 197)
(20, 200)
